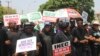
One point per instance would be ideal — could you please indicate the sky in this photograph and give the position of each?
(26, 6)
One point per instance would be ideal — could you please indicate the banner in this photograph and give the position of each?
(11, 18)
(27, 44)
(61, 49)
(34, 16)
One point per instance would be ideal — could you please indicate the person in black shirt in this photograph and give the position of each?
(3, 42)
(63, 34)
(80, 42)
(95, 39)
(12, 33)
(29, 32)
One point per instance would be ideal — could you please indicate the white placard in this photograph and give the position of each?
(34, 16)
(27, 44)
(12, 18)
(61, 13)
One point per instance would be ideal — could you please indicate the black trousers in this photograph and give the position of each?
(95, 50)
(3, 50)
(83, 51)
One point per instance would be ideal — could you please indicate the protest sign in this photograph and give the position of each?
(12, 18)
(84, 16)
(49, 16)
(27, 44)
(61, 13)
(61, 49)
(34, 16)
(40, 26)
(49, 13)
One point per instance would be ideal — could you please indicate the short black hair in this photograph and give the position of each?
(80, 19)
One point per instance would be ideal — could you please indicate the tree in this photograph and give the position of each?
(6, 10)
(79, 5)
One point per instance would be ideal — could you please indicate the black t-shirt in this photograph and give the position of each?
(79, 33)
(13, 36)
(61, 37)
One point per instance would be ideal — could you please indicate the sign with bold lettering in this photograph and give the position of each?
(61, 49)
(27, 44)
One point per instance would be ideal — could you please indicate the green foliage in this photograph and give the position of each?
(6, 10)
(79, 5)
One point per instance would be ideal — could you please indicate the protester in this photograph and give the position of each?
(46, 40)
(3, 42)
(81, 43)
(13, 34)
(28, 32)
(63, 33)
(95, 38)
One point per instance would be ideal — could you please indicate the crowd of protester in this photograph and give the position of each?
(84, 38)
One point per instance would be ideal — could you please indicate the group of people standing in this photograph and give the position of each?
(84, 38)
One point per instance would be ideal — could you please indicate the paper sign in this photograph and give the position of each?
(49, 13)
(61, 13)
(27, 44)
(11, 18)
(61, 49)
(39, 26)
(34, 16)
(84, 16)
